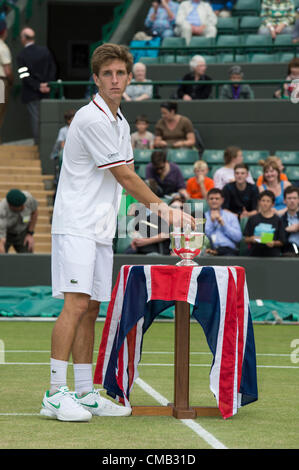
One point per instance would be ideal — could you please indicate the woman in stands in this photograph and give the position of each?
(173, 130)
(278, 162)
(197, 91)
(141, 92)
(273, 183)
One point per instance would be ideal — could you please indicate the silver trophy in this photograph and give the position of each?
(188, 244)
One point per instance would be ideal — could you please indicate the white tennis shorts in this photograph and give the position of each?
(81, 265)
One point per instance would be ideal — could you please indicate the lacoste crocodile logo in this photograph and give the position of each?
(73, 281)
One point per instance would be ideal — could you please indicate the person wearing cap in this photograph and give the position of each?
(236, 90)
(36, 67)
(18, 217)
(6, 74)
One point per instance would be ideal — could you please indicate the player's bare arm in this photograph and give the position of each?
(136, 187)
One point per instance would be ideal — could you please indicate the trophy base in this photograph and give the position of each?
(186, 262)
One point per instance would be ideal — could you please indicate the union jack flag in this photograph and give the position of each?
(220, 303)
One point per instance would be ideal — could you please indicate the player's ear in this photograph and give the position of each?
(130, 76)
(96, 79)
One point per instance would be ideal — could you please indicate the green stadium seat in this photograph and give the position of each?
(225, 58)
(173, 42)
(288, 157)
(292, 173)
(247, 7)
(150, 60)
(201, 43)
(213, 156)
(249, 24)
(252, 40)
(187, 170)
(285, 57)
(184, 156)
(283, 40)
(251, 157)
(256, 171)
(228, 40)
(174, 59)
(263, 58)
(142, 155)
(211, 59)
(122, 244)
(229, 25)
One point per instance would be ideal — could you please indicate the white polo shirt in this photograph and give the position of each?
(88, 196)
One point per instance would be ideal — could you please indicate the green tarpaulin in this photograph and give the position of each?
(37, 301)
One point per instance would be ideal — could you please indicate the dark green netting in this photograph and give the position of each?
(37, 301)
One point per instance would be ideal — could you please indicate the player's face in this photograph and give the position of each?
(112, 80)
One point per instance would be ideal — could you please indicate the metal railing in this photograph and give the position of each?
(57, 88)
(216, 49)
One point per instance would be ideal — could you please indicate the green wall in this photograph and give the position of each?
(271, 278)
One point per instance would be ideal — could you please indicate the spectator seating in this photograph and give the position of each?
(288, 157)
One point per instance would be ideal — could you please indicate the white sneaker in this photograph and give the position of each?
(62, 406)
(100, 406)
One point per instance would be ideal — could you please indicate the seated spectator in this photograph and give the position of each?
(195, 18)
(198, 73)
(273, 183)
(139, 92)
(295, 35)
(160, 20)
(167, 175)
(62, 133)
(222, 227)
(286, 90)
(226, 174)
(173, 130)
(237, 90)
(150, 233)
(142, 138)
(278, 162)
(56, 154)
(264, 231)
(18, 217)
(278, 17)
(290, 220)
(199, 185)
(240, 197)
(222, 8)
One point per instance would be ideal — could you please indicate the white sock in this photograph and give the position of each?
(58, 374)
(83, 378)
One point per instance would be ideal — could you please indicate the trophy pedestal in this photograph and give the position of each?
(180, 409)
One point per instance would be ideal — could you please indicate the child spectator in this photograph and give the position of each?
(142, 138)
(240, 197)
(199, 185)
(222, 227)
(264, 231)
(292, 74)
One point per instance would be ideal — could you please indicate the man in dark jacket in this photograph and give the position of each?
(290, 221)
(36, 67)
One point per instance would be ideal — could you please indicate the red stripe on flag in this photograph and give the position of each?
(170, 282)
(120, 365)
(228, 358)
(98, 374)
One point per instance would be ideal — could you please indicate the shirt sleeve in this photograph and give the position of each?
(97, 140)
